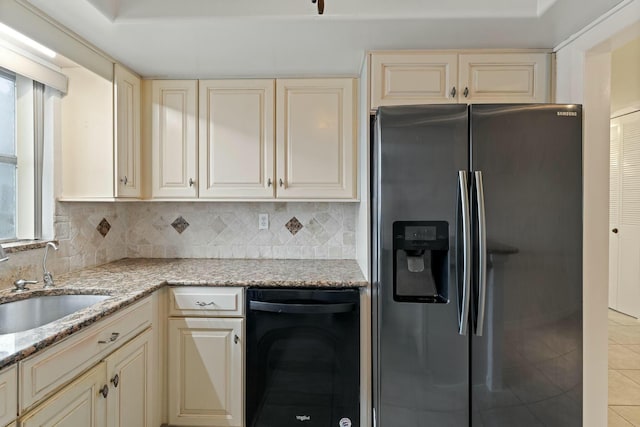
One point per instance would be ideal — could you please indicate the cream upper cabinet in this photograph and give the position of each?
(174, 138)
(81, 403)
(407, 78)
(100, 136)
(505, 78)
(8, 395)
(423, 77)
(126, 92)
(236, 140)
(205, 372)
(316, 138)
(129, 375)
(86, 127)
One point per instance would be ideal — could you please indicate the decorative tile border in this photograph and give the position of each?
(104, 227)
(294, 226)
(180, 224)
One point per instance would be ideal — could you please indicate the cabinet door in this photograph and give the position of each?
(8, 395)
(127, 131)
(236, 138)
(173, 138)
(86, 127)
(413, 78)
(505, 78)
(128, 371)
(205, 372)
(81, 403)
(316, 139)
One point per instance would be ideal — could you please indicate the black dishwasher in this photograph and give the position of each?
(303, 357)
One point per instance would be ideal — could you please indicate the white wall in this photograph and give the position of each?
(583, 76)
(625, 77)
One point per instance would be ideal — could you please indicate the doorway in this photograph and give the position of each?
(624, 238)
(583, 76)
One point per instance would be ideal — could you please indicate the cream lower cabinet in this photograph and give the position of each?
(423, 77)
(128, 373)
(316, 138)
(8, 395)
(205, 372)
(81, 403)
(114, 393)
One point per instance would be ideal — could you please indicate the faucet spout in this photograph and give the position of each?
(47, 276)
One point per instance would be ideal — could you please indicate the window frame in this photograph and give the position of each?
(12, 160)
(28, 158)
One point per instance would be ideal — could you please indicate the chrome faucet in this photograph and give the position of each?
(47, 276)
(3, 256)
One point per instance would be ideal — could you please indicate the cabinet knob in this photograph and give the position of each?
(115, 381)
(466, 92)
(615, 231)
(104, 391)
(281, 182)
(191, 182)
(453, 92)
(124, 180)
(236, 339)
(269, 182)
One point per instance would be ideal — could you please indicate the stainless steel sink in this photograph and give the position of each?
(22, 315)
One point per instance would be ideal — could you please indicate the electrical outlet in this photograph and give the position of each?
(263, 221)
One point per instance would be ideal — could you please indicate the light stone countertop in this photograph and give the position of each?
(130, 280)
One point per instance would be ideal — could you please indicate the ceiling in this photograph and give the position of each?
(249, 38)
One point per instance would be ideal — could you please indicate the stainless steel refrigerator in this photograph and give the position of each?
(477, 265)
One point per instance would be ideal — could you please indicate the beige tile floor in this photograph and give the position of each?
(624, 370)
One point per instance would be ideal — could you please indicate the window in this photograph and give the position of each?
(21, 157)
(8, 158)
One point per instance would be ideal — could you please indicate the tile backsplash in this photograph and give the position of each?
(96, 233)
(230, 230)
(79, 229)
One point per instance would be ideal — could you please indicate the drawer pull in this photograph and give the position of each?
(114, 336)
(236, 339)
(204, 304)
(115, 381)
(104, 391)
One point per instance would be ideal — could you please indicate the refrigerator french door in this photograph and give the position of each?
(477, 265)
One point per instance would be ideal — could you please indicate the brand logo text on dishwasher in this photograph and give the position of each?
(567, 113)
(303, 418)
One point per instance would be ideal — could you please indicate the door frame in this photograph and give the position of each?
(583, 76)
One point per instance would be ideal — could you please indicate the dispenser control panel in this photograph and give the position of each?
(433, 235)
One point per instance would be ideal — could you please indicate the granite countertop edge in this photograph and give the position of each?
(139, 278)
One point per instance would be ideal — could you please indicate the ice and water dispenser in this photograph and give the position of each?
(420, 262)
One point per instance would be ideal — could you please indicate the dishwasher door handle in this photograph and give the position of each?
(275, 307)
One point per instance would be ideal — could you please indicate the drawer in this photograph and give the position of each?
(203, 301)
(45, 372)
(8, 395)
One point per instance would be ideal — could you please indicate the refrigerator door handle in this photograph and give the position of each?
(466, 247)
(482, 253)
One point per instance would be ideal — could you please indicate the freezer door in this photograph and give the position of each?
(420, 357)
(527, 364)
